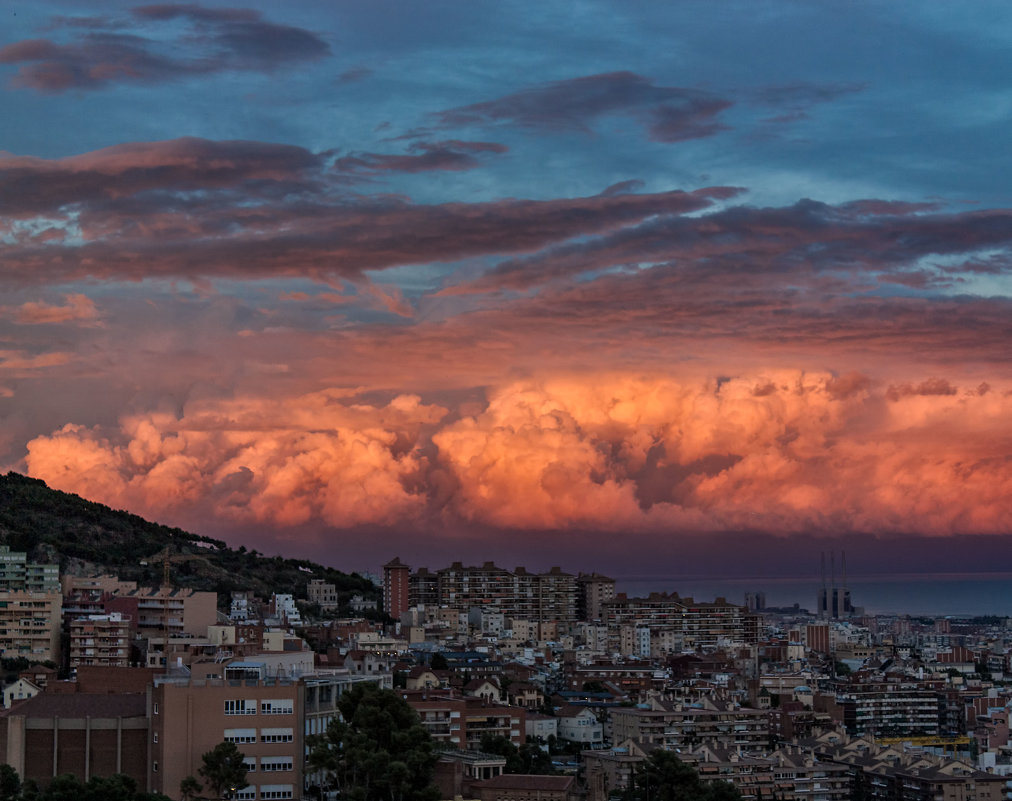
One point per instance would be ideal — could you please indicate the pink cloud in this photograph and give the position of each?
(77, 308)
(591, 451)
(104, 51)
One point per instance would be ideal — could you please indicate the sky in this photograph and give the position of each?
(627, 286)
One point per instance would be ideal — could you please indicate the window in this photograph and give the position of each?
(154, 767)
(246, 794)
(154, 737)
(155, 709)
(240, 706)
(277, 706)
(276, 735)
(269, 791)
(240, 736)
(268, 764)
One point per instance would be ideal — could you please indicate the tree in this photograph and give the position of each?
(528, 758)
(664, 777)
(10, 783)
(377, 750)
(224, 769)
(438, 662)
(189, 788)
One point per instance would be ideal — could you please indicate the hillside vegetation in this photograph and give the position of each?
(86, 537)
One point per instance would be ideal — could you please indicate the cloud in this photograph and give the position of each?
(667, 114)
(78, 308)
(453, 155)
(101, 52)
(194, 208)
(782, 451)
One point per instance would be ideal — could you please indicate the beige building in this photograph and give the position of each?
(100, 640)
(319, 592)
(264, 719)
(178, 611)
(30, 625)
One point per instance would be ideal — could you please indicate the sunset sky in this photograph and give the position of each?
(630, 285)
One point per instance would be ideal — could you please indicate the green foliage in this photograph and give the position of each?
(528, 758)
(438, 662)
(377, 750)
(664, 777)
(67, 787)
(48, 525)
(10, 783)
(189, 788)
(224, 769)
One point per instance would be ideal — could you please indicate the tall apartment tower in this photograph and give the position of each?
(595, 589)
(396, 577)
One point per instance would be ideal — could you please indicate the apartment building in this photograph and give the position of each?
(462, 722)
(593, 591)
(694, 623)
(30, 624)
(715, 722)
(101, 640)
(886, 773)
(17, 573)
(890, 710)
(174, 610)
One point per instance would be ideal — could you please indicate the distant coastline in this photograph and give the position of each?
(934, 594)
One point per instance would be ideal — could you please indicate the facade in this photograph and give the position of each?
(30, 625)
(395, 588)
(594, 590)
(695, 624)
(17, 573)
(322, 593)
(263, 718)
(100, 640)
(462, 722)
(83, 734)
(892, 711)
(174, 610)
(714, 722)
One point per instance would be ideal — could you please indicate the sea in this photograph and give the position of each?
(920, 594)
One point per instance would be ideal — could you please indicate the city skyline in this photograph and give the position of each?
(695, 287)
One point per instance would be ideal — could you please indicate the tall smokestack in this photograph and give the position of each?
(834, 612)
(823, 603)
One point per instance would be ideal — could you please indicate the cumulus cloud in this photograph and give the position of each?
(322, 457)
(146, 48)
(781, 451)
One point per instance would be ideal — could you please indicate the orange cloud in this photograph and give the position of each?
(78, 308)
(784, 451)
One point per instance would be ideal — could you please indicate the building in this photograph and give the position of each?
(396, 576)
(30, 624)
(523, 787)
(321, 593)
(174, 610)
(594, 591)
(17, 573)
(264, 718)
(83, 734)
(101, 640)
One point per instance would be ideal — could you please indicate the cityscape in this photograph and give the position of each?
(815, 703)
(594, 400)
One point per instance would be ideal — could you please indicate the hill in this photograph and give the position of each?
(85, 537)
